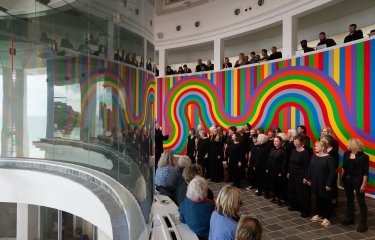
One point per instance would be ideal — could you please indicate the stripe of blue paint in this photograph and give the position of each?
(251, 81)
(326, 62)
(298, 117)
(289, 125)
(298, 61)
(342, 68)
(372, 87)
(229, 80)
(231, 93)
(273, 67)
(354, 78)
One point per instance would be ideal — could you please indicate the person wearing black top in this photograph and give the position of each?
(203, 148)
(326, 41)
(265, 56)
(321, 178)
(190, 149)
(209, 66)
(229, 141)
(235, 160)
(260, 157)
(159, 138)
(354, 34)
(250, 166)
(199, 66)
(169, 71)
(245, 141)
(253, 58)
(355, 175)
(216, 155)
(275, 54)
(65, 42)
(301, 130)
(276, 158)
(305, 47)
(298, 192)
(226, 63)
(186, 69)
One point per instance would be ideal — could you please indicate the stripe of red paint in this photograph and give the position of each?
(306, 61)
(348, 76)
(160, 97)
(261, 73)
(316, 61)
(286, 120)
(321, 61)
(277, 66)
(247, 88)
(220, 79)
(286, 63)
(366, 94)
(255, 80)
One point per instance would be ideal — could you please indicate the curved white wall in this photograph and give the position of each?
(38, 188)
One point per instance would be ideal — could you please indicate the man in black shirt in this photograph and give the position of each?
(65, 42)
(199, 68)
(305, 47)
(326, 41)
(253, 59)
(186, 69)
(265, 56)
(354, 34)
(275, 54)
(169, 71)
(159, 138)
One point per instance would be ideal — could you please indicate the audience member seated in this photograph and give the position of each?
(371, 33)
(186, 69)
(84, 47)
(305, 47)
(253, 58)
(65, 42)
(169, 71)
(265, 56)
(223, 223)
(180, 71)
(249, 228)
(241, 60)
(99, 51)
(329, 42)
(196, 208)
(166, 167)
(226, 63)
(354, 34)
(275, 54)
(200, 66)
(210, 66)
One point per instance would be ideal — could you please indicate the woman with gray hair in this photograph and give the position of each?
(261, 151)
(166, 169)
(196, 208)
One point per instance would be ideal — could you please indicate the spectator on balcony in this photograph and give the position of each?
(305, 48)
(354, 34)
(99, 51)
(253, 58)
(210, 66)
(141, 63)
(329, 42)
(265, 56)
(169, 71)
(247, 60)
(226, 63)
(180, 71)
(258, 57)
(117, 56)
(371, 33)
(186, 69)
(199, 66)
(134, 61)
(275, 54)
(84, 47)
(149, 66)
(155, 70)
(65, 42)
(241, 60)
(127, 58)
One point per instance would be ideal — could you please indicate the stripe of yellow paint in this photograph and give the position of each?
(336, 64)
(293, 118)
(235, 92)
(208, 76)
(294, 62)
(265, 72)
(190, 112)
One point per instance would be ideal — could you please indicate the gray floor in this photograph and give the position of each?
(279, 223)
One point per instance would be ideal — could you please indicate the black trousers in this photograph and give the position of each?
(321, 206)
(350, 185)
(236, 174)
(298, 193)
(276, 184)
(260, 176)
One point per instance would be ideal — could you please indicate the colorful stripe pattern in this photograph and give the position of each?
(330, 88)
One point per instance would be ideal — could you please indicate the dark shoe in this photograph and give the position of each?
(274, 200)
(281, 203)
(304, 215)
(347, 222)
(259, 193)
(292, 209)
(362, 228)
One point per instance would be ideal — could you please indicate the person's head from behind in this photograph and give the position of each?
(274, 49)
(166, 159)
(303, 43)
(191, 171)
(184, 162)
(352, 28)
(322, 36)
(199, 61)
(197, 189)
(264, 52)
(229, 201)
(249, 228)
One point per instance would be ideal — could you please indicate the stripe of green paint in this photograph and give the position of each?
(281, 65)
(242, 88)
(311, 60)
(281, 119)
(360, 85)
(227, 81)
(258, 74)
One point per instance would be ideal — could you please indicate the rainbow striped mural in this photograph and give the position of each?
(331, 88)
(131, 89)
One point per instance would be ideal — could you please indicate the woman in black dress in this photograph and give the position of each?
(321, 179)
(235, 160)
(302, 131)
(216, 155)
(298, 192)
(203, 147)
(275, 162)
(354, 178)
(260, 157)
(190, 149)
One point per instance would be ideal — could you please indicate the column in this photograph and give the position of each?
(110, 30)
(145, 59)
(27, 221)
(163, 53)
(290, 27)
(50, 98)
(218, 54)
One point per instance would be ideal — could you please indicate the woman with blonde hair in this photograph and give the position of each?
(166, 169)
(249, 228)
(216, 155)
(224, 219)
(355, 175)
